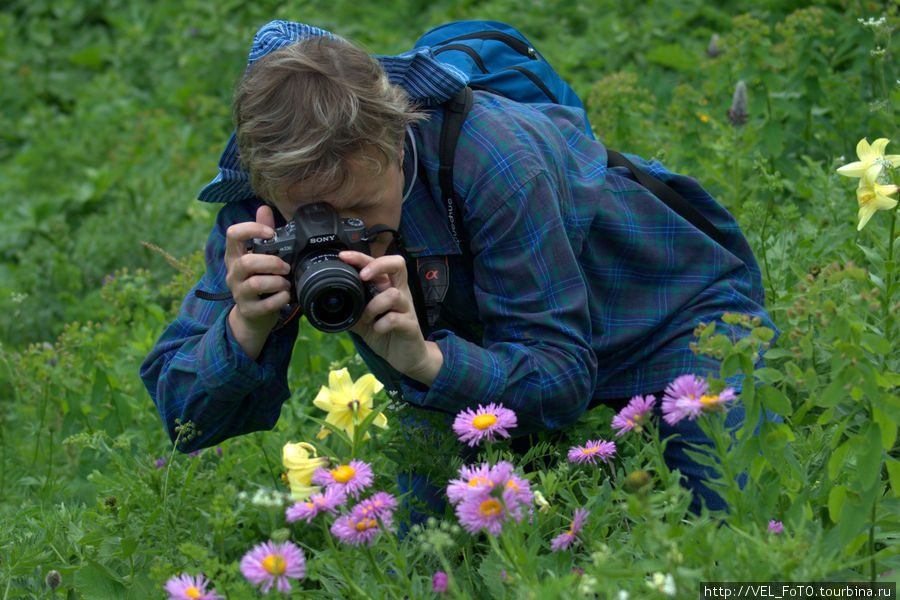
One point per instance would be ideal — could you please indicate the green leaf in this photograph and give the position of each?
(875, 343)
(769, 375)
(97, 582)
(774, 400)
(867, 448)
(837, 459)
(893, 469)
(836, 498)
(887, 425)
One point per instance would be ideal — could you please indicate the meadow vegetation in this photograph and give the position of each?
(114, 115)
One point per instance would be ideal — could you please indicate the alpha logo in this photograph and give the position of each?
(432, 275)
(322, 239)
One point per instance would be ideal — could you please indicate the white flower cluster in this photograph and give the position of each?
(266, 498)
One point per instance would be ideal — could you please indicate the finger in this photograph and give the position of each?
(261, 285)
(385, 271)
(236, 236)
(262, 264)
(259, 307)
(265, 216)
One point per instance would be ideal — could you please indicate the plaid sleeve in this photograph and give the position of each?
(536, 356)
(198, 373)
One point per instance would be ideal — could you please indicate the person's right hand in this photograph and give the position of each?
(257, 283)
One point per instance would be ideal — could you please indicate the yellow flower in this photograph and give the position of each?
(347, 402)
(871, 160)
(300, 460)
(873, 196)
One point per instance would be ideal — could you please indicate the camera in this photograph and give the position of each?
(326, 289)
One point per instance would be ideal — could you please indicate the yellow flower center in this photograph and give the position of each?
(512, 484)
(364, 524)
(343, 474)
(590, 450)
(476, 481)
(708, 399)
(490, 508)
(192, 592)
(483, 421)
(274, 564)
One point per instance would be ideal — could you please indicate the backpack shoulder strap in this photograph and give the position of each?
(670, 197)
(455, 111)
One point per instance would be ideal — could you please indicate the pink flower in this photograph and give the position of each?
(269, 562)
(326, 501)
(439, 582)
(487, 497)
(482, 478)
(775, 526)
(634, 415)
(188, 587)
(592, 451)
(564, 540)
(484, 423)
(351, 478)
(379, 505)
(687, 397)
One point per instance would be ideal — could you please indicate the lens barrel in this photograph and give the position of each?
(330, 292)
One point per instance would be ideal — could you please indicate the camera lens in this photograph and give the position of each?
(330, 292)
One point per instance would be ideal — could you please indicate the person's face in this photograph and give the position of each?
(371, 195)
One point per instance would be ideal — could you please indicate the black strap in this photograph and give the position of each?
(670, 197)
(455, 112)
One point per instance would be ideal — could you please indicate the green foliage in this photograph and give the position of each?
(114, 116)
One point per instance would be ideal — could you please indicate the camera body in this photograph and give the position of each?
(328, 290)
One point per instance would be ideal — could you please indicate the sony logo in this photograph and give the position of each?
(322, 239)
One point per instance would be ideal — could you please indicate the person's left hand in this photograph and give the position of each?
(388, 324)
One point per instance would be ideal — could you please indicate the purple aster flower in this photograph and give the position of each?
(634, 415)
(269, 563)
(326, 501)
(484, 423)
(688, 396)
(682, 399)
(189, 587)
(439, 582)
(356, 528)
(592, 451)
(566, 539)
(775, 526)
(496, 497)
(476, 479)
(380, 505)
(161, 462)
(352, 478)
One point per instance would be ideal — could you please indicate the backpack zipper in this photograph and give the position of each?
(513, 42)
(463, 48)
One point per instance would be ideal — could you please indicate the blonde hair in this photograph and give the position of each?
(303, 111)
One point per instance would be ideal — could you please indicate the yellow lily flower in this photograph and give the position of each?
(347, 402)
(301, 461)
(871, 160)
(873, 196)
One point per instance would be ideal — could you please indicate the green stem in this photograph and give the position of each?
(357, 593)
(873, 574)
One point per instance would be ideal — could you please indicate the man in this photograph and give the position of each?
(574, 285)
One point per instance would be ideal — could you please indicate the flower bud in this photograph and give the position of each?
(738, 113)
(53, 579)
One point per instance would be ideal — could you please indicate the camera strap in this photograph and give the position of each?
(433, 274)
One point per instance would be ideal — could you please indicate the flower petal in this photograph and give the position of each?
(340, 382)
(854, 169)
(878, 147)
(864, 151)
(366, 387)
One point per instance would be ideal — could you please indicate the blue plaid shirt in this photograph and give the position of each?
(578, 284)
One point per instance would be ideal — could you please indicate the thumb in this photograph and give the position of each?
(265, 216)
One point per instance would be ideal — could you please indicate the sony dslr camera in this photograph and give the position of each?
(326, 289)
